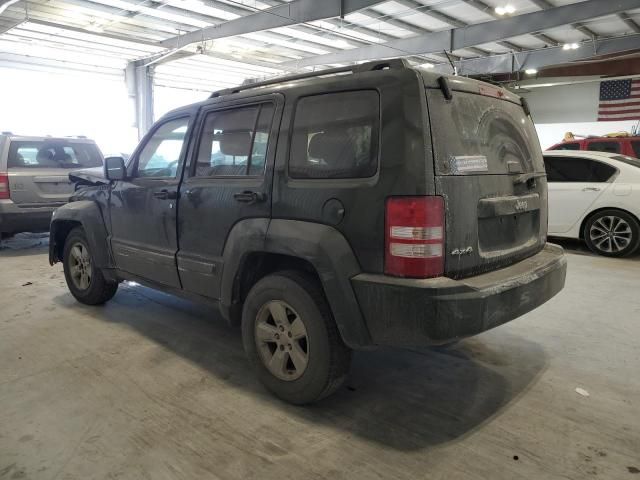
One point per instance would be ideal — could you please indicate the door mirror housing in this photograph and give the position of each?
(115, 168)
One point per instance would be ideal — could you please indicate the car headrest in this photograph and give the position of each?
(62, 157)
(335, 148)
(44, 154)
(237, 144)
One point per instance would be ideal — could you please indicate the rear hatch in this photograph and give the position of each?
(489, 168)
(39, 169)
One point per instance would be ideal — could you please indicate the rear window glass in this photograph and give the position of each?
(628, 160)
(611, 147)
(53, 154)
(567, 146)
(475, 134)
(568, 169)
(335, 135)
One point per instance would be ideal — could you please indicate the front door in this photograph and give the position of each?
(143, 207)
(228, 180)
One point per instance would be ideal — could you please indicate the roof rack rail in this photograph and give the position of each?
(394, 63)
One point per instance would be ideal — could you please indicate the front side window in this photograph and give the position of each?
(53, 154)
(161, 154)
(234, 142)
(567, 169)
(335, 135)
(611, 147)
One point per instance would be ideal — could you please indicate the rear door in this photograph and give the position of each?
(228, 180)
(489, 168)
(575, 183)
(39, 169)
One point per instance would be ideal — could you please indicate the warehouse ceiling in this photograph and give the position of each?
(207, 44)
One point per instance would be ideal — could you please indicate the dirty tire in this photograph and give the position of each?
(99, 290)
(624, 226)
(328, 358)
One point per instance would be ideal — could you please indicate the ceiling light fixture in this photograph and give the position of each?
(426, 65)
(506, 10)
(570, 46)
(531, 71)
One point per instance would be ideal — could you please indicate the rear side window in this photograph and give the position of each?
(53, 154)
(567, 146)
(567, 169)
(611, 147)
(636, 148)
(335, 135)
(234, 142)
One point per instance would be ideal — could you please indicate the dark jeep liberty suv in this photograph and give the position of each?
(350, 208)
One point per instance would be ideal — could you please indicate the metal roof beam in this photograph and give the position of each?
(543, 57)
(545, 4)
(630, 22)
(292, 13)
(489, 10)
(5, 29)
(476, 34)
(454, 22)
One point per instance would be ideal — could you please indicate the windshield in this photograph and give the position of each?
(53, 154)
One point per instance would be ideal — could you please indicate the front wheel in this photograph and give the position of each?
(84, 279)
(291, 338)
(612, 233)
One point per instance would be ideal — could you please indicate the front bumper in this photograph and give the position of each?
(15, 219)
(411, 312)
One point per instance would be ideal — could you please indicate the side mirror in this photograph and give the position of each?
(114, 168)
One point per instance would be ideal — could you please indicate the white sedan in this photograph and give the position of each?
(595, 196)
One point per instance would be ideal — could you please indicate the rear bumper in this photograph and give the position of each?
(408, 312)
(15, 219)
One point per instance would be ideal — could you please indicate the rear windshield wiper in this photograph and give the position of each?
(525, 177)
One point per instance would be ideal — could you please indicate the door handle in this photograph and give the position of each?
(591, 189)
(165, 194)
(250, 197)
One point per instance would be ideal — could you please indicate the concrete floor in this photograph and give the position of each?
(150, 386)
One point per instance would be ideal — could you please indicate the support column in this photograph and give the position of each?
(139, 80)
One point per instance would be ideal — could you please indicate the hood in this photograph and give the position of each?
(88, 176)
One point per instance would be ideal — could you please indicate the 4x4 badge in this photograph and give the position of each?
(462, 251)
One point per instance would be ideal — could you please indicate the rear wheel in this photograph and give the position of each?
(85, 281)
(612, 233)
(291, 338)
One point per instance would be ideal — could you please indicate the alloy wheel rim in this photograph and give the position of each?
(282, 341)
(610, 234)
(80, 266)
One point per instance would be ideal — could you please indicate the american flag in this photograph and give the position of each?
(619, 100)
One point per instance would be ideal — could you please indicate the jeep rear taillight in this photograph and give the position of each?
(4, 186)
(414, 237)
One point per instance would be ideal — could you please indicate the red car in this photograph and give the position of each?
(628, 145)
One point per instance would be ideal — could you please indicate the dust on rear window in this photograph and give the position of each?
(53, 154)
(475, 134)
